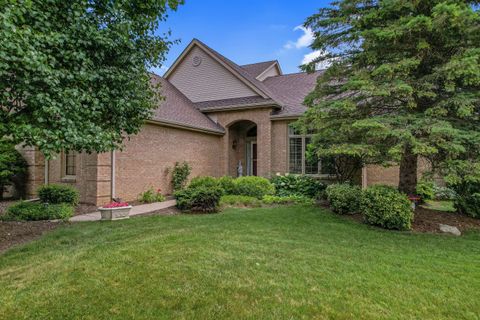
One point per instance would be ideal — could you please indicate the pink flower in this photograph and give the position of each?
(116, 205)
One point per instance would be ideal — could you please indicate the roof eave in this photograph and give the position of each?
(240, 107)
(179, 125)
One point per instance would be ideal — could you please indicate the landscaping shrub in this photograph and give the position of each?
(12, 165)
(344, 198)
(56, 193)
(253, 186)
(444, 193)
(151, 196)
(227, 184)
(33, 211)
(426, 190)
(180, 174)
(467, 200)
(201, 199)
(386, 207)
(236, 200)
(292, 184)
(204, 181)
(291, 199)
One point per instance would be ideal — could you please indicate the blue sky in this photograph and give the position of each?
(245, 31)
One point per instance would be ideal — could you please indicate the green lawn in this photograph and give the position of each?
(266, 263)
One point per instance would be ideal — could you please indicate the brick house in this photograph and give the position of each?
(216, 115)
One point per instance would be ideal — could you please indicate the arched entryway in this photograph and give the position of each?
(243, 149)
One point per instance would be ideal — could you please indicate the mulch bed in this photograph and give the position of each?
(427, 221)
(16, 232)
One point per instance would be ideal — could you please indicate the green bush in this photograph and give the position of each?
(57, 193)
(292, 184)
(12, 164)
(426, 190)
(199, 199)
(33, 211)
(237, 201)
(292, 199)
(344, 198)
(467, 200)
(227, 184)
(386, 207)
(204, 181)
(444, 193)
(257, 187)
(180, 174)
(151, 196)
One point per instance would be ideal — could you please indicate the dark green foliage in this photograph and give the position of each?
(426, 189)
(291, 184)
(227, 184)
(253, 186)
(467, 200)
(201, 199)
(386, 207)
(33, 211)
(58, 193)
(180, 174)
(11, 164)
(74, 75)
(404, 83)
(206, 181)
(344, 198)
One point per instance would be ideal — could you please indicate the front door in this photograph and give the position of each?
(252, 158)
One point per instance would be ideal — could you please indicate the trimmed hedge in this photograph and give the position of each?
(344, 198)
(292, 199)
(386, 207)
(200, 199)
(34, 211)
(257, 187)
(204, 181)
(227, 184)
(57, 193)
(294, 184)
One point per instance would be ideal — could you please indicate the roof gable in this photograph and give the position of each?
(202, 74)
(263, 70)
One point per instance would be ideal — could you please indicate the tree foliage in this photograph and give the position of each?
(74, 74)
(404, 83)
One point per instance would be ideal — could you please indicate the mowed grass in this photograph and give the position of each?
(265, 263)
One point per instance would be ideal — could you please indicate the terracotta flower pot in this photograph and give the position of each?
(115, 213)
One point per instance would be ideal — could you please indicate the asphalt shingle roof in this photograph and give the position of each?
(256, 69)
(234, 103)
(176, 108)
(290, 90)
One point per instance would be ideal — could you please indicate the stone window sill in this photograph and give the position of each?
(69, 179)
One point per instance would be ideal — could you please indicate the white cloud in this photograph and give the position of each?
(309, 57)
(304, 41)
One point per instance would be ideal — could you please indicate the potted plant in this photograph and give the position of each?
(115, 211)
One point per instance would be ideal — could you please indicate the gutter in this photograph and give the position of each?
(239, 107)
(179, 125)
(112, 176)
(46, 171)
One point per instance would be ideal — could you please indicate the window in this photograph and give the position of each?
(69, 166)
(298, 160)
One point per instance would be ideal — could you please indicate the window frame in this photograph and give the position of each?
(291, 134)
(66, 166)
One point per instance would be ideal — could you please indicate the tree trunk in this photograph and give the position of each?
(408, 172)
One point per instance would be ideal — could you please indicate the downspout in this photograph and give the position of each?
(46, 171)
(112, 175)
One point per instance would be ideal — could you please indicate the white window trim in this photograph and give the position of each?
(304, 149)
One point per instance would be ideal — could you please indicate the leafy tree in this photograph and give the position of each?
(404, 83)
(11, 164)
(74, 74)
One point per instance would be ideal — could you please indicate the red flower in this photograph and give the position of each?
(116, 205)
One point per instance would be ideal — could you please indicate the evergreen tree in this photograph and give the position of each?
(404, 83)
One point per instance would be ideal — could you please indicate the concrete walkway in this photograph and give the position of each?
(141, 209)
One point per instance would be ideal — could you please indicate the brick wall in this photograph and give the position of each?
(148, 158)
